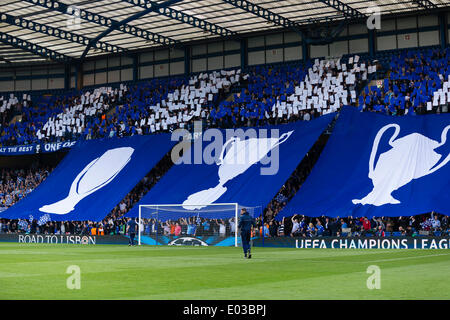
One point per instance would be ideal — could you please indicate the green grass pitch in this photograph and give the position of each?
(29, 271)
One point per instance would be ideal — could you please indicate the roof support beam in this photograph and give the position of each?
(33, 48)
(426, 4)
(56, 32)
(185, 18)
(345, 9)
(104, 21)
(5, 60)
(295, 25)
(117, 25)
(265, 14)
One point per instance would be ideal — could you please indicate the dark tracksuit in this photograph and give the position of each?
(132, 231)
(245, 224)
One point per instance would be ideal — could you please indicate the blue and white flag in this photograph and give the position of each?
(92, 179)
(379, 165)
(44, 219)
(254, 181)
(23, 224)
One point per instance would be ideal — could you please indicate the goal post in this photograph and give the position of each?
(193, 224)
(155, 219)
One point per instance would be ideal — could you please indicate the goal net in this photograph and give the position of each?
(195, 225)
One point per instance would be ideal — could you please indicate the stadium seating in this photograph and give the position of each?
(289, 92)
(417, 82)
(262, 94)
(175, 104)
(143, 108)
(16, 184)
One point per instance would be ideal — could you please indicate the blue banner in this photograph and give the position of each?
(18, 150)
(253, 182)
(36, 148)
(92, 179)
(379, 165)
(54, 146)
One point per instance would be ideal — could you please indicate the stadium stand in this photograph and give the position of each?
(296, 226)
(17, 183)
(397, 82)
(417, 82)
(286, 92)
(147, 107)
(158, 107)
(426, 224)
(268, 94)
(263, 94)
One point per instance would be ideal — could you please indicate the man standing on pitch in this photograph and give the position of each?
(131, 230)
(246, 223)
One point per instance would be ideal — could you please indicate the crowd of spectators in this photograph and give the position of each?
(146, 107)
(415, 84)
(189, 226)
(418, 82)
(268, 95)
(17, 183)
(62, 117)
(433, 224)
(11, 105)
(142, 188)
(106, 227)
(294, 182)
(291, 92)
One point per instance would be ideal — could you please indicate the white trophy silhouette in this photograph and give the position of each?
(97, 174)
(411, 157)
(241, 156)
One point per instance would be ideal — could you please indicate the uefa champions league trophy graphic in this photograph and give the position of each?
(241, 155)
(411, 157)
(97, 174)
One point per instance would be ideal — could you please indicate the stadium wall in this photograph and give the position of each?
(267, 48)
(32, 78)
(63, 239)
(421, 242)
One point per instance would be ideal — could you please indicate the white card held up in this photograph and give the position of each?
(442, 98)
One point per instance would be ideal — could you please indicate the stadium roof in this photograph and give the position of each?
(42, 30)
